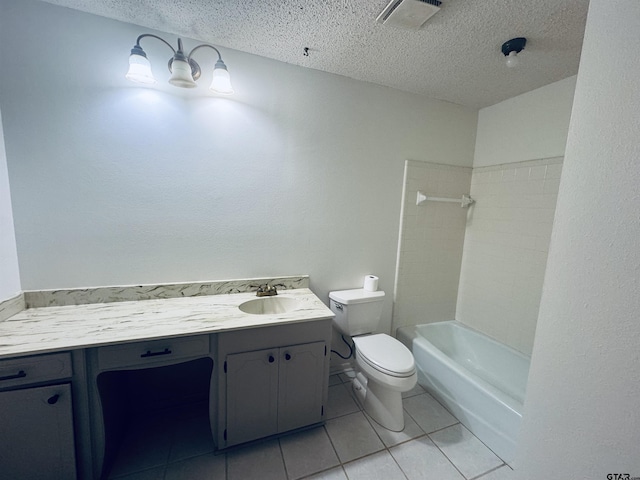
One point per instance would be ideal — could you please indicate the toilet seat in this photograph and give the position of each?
(385, 354)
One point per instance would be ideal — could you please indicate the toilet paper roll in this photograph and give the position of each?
(370, 283)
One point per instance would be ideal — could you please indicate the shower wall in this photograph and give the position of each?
(430, 246)
(505, 249)
(484, 265)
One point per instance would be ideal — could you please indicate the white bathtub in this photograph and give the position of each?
(482, 382)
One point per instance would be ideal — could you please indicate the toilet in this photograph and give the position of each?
(386, 367)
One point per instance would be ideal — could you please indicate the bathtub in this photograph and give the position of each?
(481, 381)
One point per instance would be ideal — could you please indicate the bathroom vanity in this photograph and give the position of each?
(271, 382)
(63, 367)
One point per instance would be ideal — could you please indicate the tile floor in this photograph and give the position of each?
(433, 446)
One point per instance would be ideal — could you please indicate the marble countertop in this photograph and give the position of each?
(57, 328)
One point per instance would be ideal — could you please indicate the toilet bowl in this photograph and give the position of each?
(389, 369)
(386, 367)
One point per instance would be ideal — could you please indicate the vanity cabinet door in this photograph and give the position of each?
(252, 395)
(36, 434)
(301, 384)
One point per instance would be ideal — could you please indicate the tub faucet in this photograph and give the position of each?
(267, 290)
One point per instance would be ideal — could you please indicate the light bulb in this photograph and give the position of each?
(512, 59)
(181, 74)
(140, 69)
(221, 82)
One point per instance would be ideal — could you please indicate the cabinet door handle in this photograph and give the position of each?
(20, 374)
(53, 400)
(149, 353)
(287, 356)
(271, 359)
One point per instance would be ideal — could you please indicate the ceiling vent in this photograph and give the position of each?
(408, 14)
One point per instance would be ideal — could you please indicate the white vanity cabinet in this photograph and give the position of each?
(36, 418)
(271, 380)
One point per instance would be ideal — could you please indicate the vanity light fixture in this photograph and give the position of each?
(184, 69)
(511, 49)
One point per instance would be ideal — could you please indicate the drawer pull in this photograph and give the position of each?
(20, 374)
(53, 400)
(149, 353)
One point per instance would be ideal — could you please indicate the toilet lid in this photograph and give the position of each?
(386, 354)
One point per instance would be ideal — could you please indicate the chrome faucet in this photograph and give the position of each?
(267, 290)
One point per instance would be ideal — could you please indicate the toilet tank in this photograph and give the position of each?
(357, 311)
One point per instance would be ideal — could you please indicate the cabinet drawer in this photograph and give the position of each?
(153, 352)
(29, 370)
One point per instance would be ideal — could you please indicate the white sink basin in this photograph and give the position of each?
(269, 305)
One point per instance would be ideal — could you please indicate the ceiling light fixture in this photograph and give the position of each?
(184, 69)
(512, 48)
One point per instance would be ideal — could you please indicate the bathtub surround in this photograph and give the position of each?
(482, 265)
(505, 249)
(430, 246)
(581, 414)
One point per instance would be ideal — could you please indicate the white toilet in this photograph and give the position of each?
(386, 366)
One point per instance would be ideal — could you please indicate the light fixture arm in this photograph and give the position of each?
(159, 38)
(204, 45)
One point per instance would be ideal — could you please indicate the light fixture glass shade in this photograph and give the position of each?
(512, 59)
(221, 82)
(181, 74)
(140, 70)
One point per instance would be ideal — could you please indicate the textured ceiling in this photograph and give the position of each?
(455, 56)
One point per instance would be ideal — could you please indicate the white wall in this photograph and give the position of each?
(9, 274)
(300, 172)
(581, 414)
(527, 127)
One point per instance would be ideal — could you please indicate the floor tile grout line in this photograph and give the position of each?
(445, 455)
(479, 477)
(326, 432)
(284, 463)
(459, 423)
(396, 462)
(451, 461)
(444, 428)
(341, 466)
(384, 447)
(474, 435)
